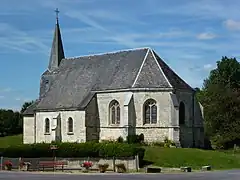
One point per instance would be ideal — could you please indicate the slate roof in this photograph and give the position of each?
(76, 80)
(57, 51)
(30, 109)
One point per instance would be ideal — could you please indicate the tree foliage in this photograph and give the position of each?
(11, 122)
(26, 105)
(220, 97)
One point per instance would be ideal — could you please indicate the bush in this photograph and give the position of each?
(168, 143)
(120, 139)
(135, 139)
(160, 144)
(74, 150)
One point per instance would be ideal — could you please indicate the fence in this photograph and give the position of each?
(131, 163)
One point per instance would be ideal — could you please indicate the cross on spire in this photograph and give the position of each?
(57, 12)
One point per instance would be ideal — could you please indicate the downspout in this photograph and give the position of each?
(35, 128)
(193, 117)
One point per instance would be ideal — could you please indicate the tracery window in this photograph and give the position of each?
(114, 112)
(150, 112)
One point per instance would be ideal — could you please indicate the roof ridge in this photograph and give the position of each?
(110, 52)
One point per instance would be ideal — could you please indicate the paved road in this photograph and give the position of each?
(217, 175)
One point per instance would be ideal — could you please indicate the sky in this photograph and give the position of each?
(189, 35)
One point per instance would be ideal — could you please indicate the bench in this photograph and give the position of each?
(206, 168)
(186, 169)
(153, 169)
(51, 164)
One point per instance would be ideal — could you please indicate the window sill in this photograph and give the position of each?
(114, 125)
(150, 125)
(70, 133)
(47, 134)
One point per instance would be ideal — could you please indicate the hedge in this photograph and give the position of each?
(74, 150)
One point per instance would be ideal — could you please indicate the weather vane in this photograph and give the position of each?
(57, 12)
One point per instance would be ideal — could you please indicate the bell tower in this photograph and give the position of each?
(57, 52)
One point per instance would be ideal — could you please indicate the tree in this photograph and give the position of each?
(10, 122)
(220, 97)
(26, 105)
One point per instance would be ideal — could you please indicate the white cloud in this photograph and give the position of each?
(207, 66)
(18, 99)
(1, 97)
(6, 89)
(206, 36)
(232, 24)
(14, 39)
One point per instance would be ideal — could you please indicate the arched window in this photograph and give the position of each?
(47, 126)
(150, 112)
(114, 112)
(181, 113)
(70, 125)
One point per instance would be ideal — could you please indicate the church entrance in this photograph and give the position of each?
(182, 116)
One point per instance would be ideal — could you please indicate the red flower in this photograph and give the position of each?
(7, 163)
(87, 164)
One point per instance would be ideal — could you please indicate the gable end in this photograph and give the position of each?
(150, 74)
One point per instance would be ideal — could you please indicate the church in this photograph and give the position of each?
(111, 95)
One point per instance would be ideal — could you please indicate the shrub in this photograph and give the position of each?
(160, 144)
(141, 138)
(119, 150)
(90, 149)
(168, 143)
(120, 139)
(135, 139)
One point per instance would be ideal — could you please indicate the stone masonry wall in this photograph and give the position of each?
(28, 129)
(79, 130)
(154, 132)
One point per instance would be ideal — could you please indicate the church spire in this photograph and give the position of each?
(57, 52)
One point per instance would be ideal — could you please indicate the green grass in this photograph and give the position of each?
(10, 140)
(196, 158)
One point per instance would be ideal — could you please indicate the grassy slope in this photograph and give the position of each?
(10, 140)
(177, 157)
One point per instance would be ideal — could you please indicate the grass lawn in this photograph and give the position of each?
(10, 140)
(196, 158)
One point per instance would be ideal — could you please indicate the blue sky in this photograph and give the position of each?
(189, 35)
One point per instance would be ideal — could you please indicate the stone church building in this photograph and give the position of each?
(105, 96)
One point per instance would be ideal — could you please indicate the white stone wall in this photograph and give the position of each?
(190, 130)
(154, 132)
(93, 123)
(79, 130)
(28, 129)
(108, 131)
(185, 131)
(133, 115)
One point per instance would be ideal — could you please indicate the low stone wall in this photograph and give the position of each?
(131, 163)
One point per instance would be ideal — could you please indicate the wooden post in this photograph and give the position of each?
(19, 161)
(114, 165)
(1, 161)
(137, 162)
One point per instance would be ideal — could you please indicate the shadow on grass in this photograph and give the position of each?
(144, 163)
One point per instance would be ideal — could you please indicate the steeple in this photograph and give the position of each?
(57, 52)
